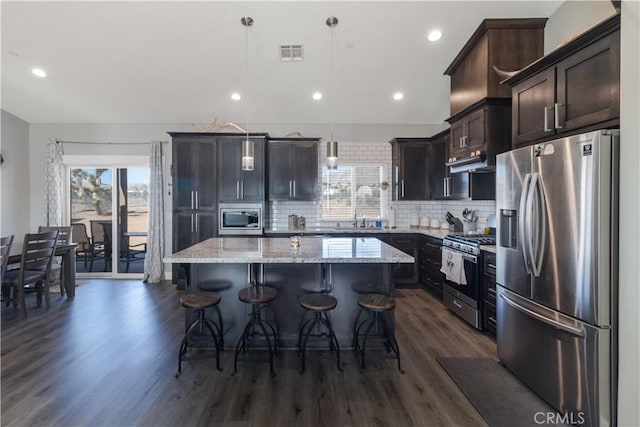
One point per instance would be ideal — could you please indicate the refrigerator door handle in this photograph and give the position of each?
(540, 222)
(530, 222)
(579, 332)
(524, 196)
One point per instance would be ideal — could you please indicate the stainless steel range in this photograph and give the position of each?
(462, 265)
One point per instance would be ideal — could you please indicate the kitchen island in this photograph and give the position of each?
(344, 267)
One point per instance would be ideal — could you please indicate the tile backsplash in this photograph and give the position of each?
(312, 211)
(372, 153)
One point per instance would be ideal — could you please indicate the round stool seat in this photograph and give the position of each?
(199, 300)
(318, 302)
(377, 302)
(257, 294)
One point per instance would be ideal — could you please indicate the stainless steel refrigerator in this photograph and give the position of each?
(556, 272)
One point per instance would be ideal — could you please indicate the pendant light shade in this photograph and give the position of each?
(247, 144)
(332, 154)
(332, 144)
(247, 155)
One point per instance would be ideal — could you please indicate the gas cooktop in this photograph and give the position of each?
(468, 242)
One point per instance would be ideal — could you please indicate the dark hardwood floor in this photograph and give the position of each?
(108, 358)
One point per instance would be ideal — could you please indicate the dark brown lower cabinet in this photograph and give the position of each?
(489, 275)
(430, 260)
(405, 275)
(189, 228)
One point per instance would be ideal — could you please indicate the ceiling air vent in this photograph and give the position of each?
(291, 52)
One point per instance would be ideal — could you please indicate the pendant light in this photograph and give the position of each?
(247, 144)
(332, 144)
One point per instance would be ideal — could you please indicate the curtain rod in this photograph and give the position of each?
(105, 143)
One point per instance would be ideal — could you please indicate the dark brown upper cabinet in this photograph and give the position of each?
(418, 167)
(437, 168)
(481, 130)
(193, 172)
(409, 160)
(235, 184)
(292, 165)
(508, 44)
(573, 89)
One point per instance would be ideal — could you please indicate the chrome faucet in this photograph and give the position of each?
(364, 219)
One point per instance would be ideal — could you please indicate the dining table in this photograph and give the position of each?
(68, 273)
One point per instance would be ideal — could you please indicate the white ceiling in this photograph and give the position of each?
(178, 62)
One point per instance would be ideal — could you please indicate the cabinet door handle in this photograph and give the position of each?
(192, 206)
(556, 114)
(290, 189)
(197, 227)
(402, 187)
(294, 188)
(192, 228)
(242, 189)
(237, 189)
(197, 202)
(546, 119)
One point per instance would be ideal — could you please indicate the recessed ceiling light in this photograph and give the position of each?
(317, 96)
(236, 96)
(434, 35)
(398, 96)
(39, 72)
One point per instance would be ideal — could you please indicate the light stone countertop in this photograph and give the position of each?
(278, 250)
(488, 248)
(438, 233)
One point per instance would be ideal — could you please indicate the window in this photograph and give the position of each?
(352, 190)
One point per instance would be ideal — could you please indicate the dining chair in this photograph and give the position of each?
(38, 250)
(107, 232)
(130, 253)
(65, 237)
(81, 238)
(5, 249)
(98, 241)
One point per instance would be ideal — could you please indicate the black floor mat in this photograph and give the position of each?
(501, 399)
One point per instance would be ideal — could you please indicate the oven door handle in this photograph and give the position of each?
(470, 258)
(465, 256)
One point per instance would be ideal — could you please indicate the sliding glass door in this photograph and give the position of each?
(108, 209)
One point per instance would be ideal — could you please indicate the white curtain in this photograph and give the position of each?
(153, 266)
(53, 184)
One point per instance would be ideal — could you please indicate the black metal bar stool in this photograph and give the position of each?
(200, 302)
(375, 305)
(319, 305)
(258, 297)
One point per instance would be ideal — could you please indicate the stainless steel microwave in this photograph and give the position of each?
(240, 218)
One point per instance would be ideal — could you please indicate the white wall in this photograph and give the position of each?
(571, 18)
(629, 386)
(14, 177)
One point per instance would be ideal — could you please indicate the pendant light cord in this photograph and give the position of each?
(333, 94)
(246, 103)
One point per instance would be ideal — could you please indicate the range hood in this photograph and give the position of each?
(468, 164)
